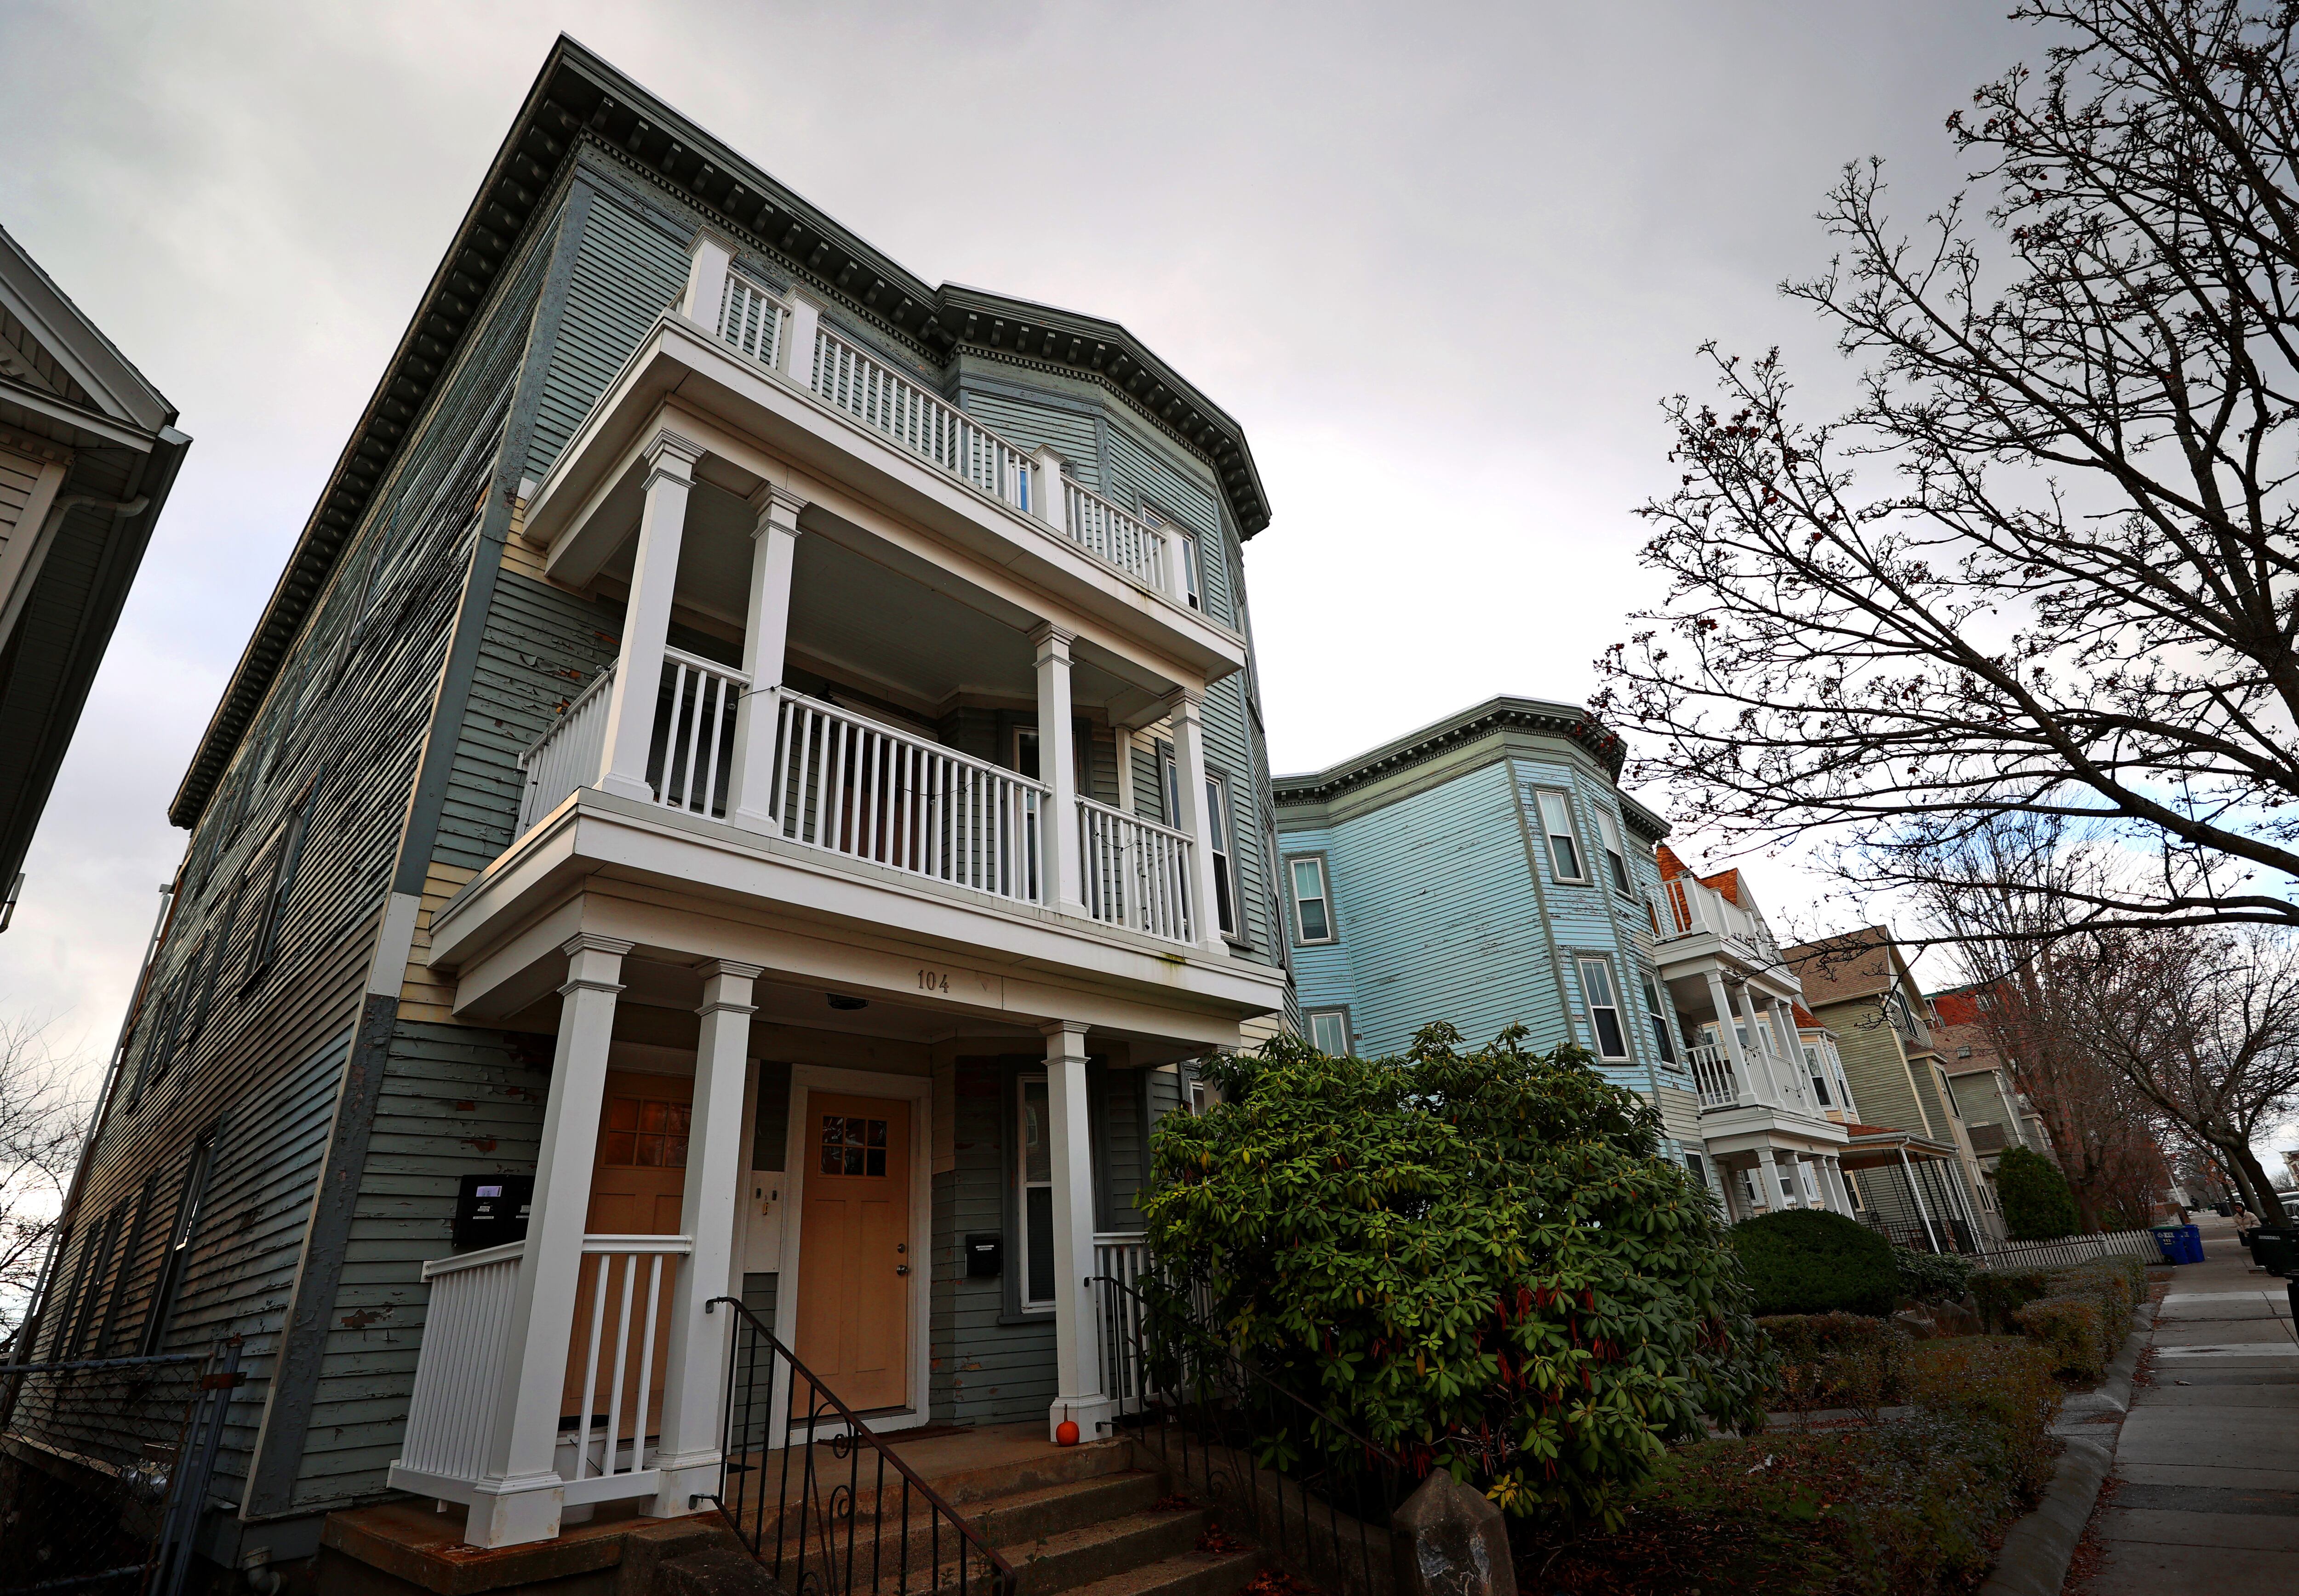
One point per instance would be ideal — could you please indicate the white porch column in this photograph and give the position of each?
(707, 265)
(646, 619)
(1187, 716)
(1768, 1180)
(1052, 504)
(766, 634)
(520, 1499)
(1763, 1047)
(1078, 1355)
(1058, 769)
(1745, 1086)
(694, 1373)
(1832, 1168)
(1819, 1171)
(796, 356)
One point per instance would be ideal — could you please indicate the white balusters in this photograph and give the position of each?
(852, 786)
(620, 1319)
(567, 757)
(1711, 1075)
(1137, 873)
(750, 320)
(690, 762)
(918, 419)
(1111, 536)
(622, 1315)
(466, 1331)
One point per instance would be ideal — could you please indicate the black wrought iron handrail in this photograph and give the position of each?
(819, 1534)
(1195, 1402)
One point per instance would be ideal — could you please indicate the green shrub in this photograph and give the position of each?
(2070, 1329)
(2037, 1202)
(1809, 1261)
(2116, 1284)
(1932, 1276)
(1482, 1261)
(2003, 1380)
(1836, 1360)
(1999, 1294)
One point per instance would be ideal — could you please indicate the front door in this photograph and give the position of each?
(855, 1269)
(638, 1182)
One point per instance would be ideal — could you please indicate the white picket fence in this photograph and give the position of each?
(2071, 1249)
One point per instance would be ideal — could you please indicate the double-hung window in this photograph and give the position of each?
(1812, 1067)
(1313, 903)
(1329, 1032)
(1616, 861)
(1218, 832)
(180, 1236)
(1033, 1172)
(1563, 843)
(1186, 545)
(1662, 1041)
(1603, 1009)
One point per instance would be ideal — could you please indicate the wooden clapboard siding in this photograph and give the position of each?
(983, 1371)
(337, 737)
(631, 267)
(456, 1100)
(1032, 420)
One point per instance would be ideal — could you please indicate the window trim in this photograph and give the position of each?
(1023, 1185)
(1581, 962)
(1301, 938)
(1660, 1012)
(1616, 856)
(183, 1236)
(1309, 1018)
(1229, 912)
(1572, 835)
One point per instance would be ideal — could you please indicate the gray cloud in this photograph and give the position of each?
(1441, 261)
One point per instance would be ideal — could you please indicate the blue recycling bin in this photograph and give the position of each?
(2191, 1239)
(2169, 1242)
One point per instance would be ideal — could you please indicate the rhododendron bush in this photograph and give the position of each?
(1481, 1261)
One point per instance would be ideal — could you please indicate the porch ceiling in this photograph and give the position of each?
(864, 614)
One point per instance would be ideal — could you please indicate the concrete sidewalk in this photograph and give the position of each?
(2207, 1464)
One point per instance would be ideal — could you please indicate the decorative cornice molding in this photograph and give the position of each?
(1592, 735)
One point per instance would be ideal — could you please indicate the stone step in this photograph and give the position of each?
(1185, 1574)
(1105, 1550)
(1019, 1523)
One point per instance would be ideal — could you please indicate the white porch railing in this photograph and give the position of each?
(851, 786)
(1712, 1076)
(750, 320)
(627, 1316)
(690, 757)
(1116, 538)
(918, 419)
(622, 1316)
(1689, 909)
(459, 1370)
(567, 757)
(1135, 872)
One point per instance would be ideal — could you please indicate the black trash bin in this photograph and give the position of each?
(2275, 1248)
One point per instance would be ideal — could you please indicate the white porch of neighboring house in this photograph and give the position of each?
(1911, 1190)
(1770, 1115)
(697, 835)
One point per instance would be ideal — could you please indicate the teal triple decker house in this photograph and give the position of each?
(749, 785)
(1487, 869)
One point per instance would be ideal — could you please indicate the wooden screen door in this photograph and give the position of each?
(638, 1182)
(855, 1267)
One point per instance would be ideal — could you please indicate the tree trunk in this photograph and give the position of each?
(2268, 1207)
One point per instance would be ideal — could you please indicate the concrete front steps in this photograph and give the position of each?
(1084, 1520)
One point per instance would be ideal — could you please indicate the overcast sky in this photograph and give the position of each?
(1442, 261)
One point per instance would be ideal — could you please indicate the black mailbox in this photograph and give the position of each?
(491, 1209)
(986, 1256)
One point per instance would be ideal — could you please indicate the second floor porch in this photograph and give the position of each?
(856, 676)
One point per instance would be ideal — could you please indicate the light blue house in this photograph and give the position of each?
(1484, 870)
(1487, 870)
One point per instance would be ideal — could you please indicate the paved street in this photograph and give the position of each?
(2207, 1463)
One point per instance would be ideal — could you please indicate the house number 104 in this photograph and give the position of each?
(932, 980)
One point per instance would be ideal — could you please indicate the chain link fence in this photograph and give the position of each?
(104, 1465)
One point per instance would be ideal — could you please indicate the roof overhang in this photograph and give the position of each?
(1568, 721)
